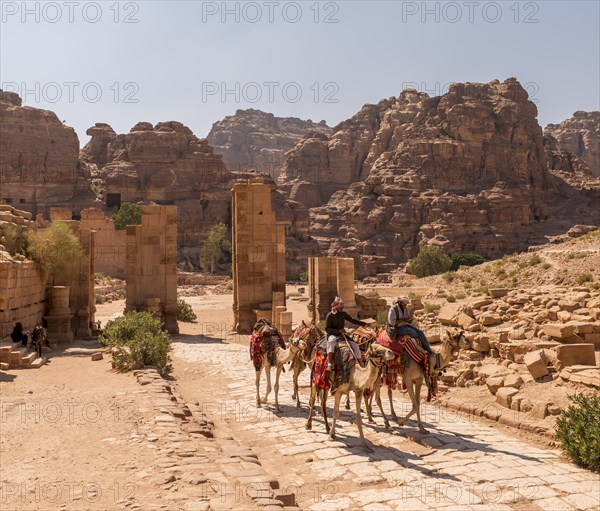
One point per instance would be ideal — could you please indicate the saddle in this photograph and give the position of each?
(342, 361)
(264, 342)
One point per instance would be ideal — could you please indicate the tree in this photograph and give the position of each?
(430, 261)
(214, 248)
(55, 250)
(128, 214)
(470, 259)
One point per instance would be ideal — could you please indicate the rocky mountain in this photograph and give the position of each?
(39, 160)
(466, 171)
(580, 136)
(252, 139)
(166, 164)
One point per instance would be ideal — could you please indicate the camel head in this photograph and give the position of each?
(379, 354)
(455, 338)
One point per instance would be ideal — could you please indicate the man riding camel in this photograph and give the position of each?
(399, 323)
(334, 326)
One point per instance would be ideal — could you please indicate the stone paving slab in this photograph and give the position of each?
(462, 464)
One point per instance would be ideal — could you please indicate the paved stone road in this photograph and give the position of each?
(462, 464)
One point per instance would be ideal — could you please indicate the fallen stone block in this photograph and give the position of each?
(494, 383)
(465, 321)
(504, 396)
(514, 381)
(574, 354)
(448, 313)
(97, 356)
(490, 319)
(536, 363)
(498, 292)
(481, 343)
(593, 338)
(558, 331)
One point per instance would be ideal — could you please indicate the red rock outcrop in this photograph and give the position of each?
(165, 164)
(466, 171)
(39, 160)
(580, 135)
(252, 139)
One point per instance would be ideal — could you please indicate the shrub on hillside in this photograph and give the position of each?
(430, 261)
(578, 429)
(470, 259)
(128, 214)
(138, 340)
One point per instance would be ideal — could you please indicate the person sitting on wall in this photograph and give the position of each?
(18, 334)
(334, 326)
(399, 323)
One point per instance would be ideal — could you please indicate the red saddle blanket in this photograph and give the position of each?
(264, 344)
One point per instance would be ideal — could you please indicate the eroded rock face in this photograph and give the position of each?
(466, 171)
(580, 136)
(165, 164)
(252, 139)
(39, 160)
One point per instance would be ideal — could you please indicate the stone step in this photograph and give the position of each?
(4, 366)
(5, 352)
(38, 362)
(28, 359)
(16, 354)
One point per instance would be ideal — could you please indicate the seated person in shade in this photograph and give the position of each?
(18, 335)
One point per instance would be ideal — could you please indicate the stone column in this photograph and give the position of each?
(59, 317)
(345, 283)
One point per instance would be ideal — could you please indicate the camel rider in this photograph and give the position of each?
(334, 326)
(399, 322)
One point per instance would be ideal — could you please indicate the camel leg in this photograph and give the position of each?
(378, 398)
(369, 406)
(278, 369)
(336, 413)
(258, 373)
(311, 406)
(418, 384)
(359, 395)
(394, 416)
(296, 395)
(324, 407)
(411, 393)
(268, 389)
(348, 401)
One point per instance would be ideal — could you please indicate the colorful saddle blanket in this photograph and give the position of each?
(263, 343)
(411, 347)
(343, 361)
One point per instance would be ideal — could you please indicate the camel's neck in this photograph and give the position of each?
(364, 377)
(285, 355)
(445, 354)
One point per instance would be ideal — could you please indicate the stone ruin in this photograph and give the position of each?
(258, 241)
(109, 243)
(151, 270)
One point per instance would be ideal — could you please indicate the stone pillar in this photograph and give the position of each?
(59, 317)
(151, 264)
(345, 283)
(258, 245)
(329, 277)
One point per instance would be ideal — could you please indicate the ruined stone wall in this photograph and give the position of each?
(329, 277)
(109, 244)
(258, 255)
(22, 292)
(151, 269)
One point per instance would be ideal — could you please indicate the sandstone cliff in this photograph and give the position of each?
(580, 136)
(166, 164)
(466, 171)
(255, 139)
(39, 160)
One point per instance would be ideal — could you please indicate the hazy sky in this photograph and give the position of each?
(196, 62)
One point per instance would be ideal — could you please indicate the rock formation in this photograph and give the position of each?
(39, 160)
(466, 171)
(580, 135)
(255, 139)
(166, 164)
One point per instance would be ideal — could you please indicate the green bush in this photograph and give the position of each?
(128, 214)
(451, 298)
(470, 259)
(430, 261)
(449, 276)
(578, 429)
(185, 312)
(583, 278)
(431, 307)
(546, 266)
(99, 298)
(303, 277)
(138, 340)
(534, 259)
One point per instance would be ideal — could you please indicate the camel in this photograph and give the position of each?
(310, 334)
(413, 377)
(360, 379)
(282, 356)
